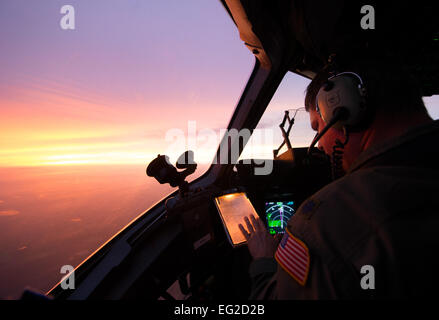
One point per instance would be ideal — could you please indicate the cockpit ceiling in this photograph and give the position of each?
(314, 29)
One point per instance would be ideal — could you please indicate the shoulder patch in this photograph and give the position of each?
(293, 256)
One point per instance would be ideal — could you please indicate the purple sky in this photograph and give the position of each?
(113, 87)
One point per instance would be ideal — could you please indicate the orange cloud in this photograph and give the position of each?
(7, 213)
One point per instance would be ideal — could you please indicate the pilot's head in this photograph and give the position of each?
(390, 98)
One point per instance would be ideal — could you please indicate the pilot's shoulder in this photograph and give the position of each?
(343, 212)
(361, 190)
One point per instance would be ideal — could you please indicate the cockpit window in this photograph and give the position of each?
(89, 94)
(432, 105)
(289, 97)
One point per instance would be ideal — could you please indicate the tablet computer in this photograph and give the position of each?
(233, 208)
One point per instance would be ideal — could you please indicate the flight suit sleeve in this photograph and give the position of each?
(306, 269)
(261, 273)
(325, 281)
(270, 280)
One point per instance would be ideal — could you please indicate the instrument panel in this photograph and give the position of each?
(277, 215)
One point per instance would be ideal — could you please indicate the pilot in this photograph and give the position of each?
(372, 232)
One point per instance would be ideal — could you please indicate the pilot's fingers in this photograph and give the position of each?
(249, 225)
(244, 232)
(256, 223)
(261, 225)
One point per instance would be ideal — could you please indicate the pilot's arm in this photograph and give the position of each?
(299, 269)
(276, 280)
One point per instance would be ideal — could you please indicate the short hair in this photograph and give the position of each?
(389, 87)
(313, 88)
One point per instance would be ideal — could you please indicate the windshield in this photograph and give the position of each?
(288, 97)
(90, 93)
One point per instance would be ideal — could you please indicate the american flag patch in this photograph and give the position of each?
(293, 256)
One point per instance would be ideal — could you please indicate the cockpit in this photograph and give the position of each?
(180, 248)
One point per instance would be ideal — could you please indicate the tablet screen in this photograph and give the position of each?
(233, 208)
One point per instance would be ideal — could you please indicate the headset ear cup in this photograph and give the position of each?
(342, 92)
(328, 85)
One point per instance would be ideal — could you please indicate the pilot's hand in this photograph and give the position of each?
(260, 243)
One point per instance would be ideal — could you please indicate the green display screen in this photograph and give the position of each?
(277, 214)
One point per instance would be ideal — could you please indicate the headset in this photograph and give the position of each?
(343, 93)
(341, 103)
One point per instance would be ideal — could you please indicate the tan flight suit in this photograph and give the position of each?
(384, 213)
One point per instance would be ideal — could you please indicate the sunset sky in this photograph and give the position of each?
(108, 91)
